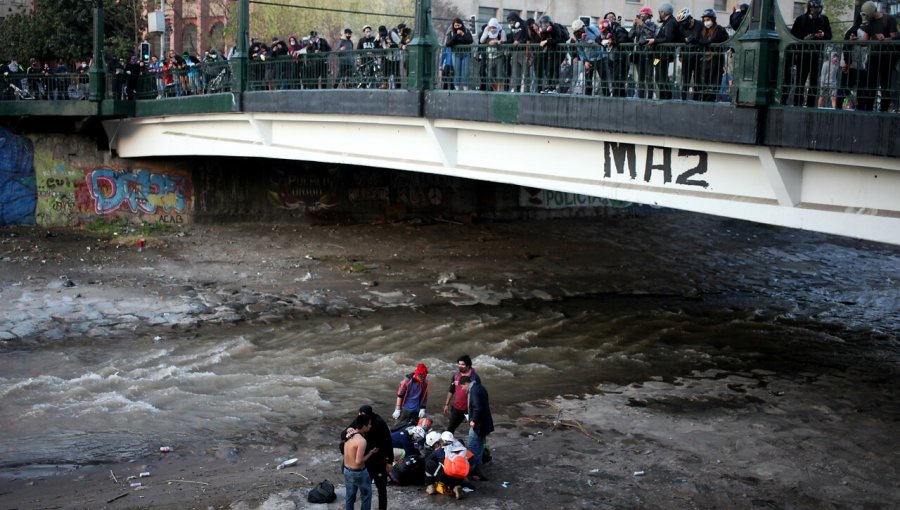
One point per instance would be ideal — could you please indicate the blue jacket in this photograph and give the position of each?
(589, 48)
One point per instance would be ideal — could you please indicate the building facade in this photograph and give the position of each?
(10, 7)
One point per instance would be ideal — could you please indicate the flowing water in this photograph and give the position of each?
(100, 400)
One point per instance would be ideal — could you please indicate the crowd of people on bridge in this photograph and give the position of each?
(676, 56)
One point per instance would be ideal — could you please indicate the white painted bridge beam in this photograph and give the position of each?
(851, 195)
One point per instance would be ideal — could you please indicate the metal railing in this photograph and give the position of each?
(211, 77)
(44, 87)
(685, 72)
(850, 75)
(369, 69)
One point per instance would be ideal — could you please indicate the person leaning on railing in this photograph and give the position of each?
(803, 61)
(666, 34)
(589, 50)
(881, 29)
(614, 36)
(642, 30)
(712, 62)
(495, 60)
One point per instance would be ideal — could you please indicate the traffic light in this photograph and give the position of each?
(145, 51)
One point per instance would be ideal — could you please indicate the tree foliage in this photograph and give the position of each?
(299, 17)
(62, 30)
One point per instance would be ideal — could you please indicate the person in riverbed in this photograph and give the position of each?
(447, 466)
(378, 439)
(457, 404)
(356, 477)
(481, 423)
(412, 397)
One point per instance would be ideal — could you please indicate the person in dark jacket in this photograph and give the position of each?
(517, 43)
(614, 35)
(690, 58)
(378, 436)
(481, 423)
(550, 58)
(458, 35)
(712, 63)
(668, 33)
(737, 16)
(805, 60)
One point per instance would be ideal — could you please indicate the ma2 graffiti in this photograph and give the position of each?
(624, 155)
(138, 191)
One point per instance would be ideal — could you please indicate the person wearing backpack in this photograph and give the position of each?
(447, 466)
(550, 58)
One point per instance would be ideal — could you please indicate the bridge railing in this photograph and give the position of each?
(370, 69)
(204, 78)
(852, 75)
(672, 71)
(44, 87)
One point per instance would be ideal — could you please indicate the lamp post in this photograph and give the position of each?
(756, 57)
(97, 72)
(421, 48)
(240, 58)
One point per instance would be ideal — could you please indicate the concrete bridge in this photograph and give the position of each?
(751, 157)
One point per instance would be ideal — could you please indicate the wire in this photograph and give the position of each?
(404, 16)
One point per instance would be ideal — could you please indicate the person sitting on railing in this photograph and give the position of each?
(458, 35)
(493, 36)
(346, 60)
(738, 12)
(712, 63)
(690, 58)
(805, 60)
(880, 27)
(613, 35)
(589, 50)
(517, 42)
(642, 30)
(552, 35)
(666, 34)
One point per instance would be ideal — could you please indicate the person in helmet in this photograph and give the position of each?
(447, 466)
(642, 30)
(690, 56)
(738, 12)
(805, 57)
(712, 62)
(667, 33)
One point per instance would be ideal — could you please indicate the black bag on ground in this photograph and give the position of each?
(322, 493)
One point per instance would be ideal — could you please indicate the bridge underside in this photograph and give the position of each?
(844, 194)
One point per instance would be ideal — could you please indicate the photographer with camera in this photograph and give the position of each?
(642, 30)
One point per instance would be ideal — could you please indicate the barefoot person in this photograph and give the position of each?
(355, 474)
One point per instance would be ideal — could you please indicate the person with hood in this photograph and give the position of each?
(738, 12)
(712, 61)
(389, 40)
(552, 35)
(481, 423)
(642, 30)
(412, 396)
(294, 46)
(493, 36)
(516, 44)
(879, 27)
(457, 39)
(805, 58)
(667, 33)
(589, 50)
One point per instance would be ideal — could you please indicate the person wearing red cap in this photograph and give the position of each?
(412, 396)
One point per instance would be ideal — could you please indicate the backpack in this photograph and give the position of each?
(322, 493)
(456, 464)
(563, 32)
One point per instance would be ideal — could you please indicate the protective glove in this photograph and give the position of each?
(421, 413)
(467, 416)
(396, 413)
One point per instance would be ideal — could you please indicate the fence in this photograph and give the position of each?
(44, 87)
(370, 69)
(852, 75)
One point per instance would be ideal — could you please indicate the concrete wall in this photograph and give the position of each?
(57, 180)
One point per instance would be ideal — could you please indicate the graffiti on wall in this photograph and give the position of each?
(138, 191)
(546, 199)
(18, 195)
(307, 191)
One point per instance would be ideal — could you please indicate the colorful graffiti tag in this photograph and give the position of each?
(18, 194)
(138, 191)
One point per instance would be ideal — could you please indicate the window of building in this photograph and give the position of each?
(634, 1)
(720, 5)
(799, 9)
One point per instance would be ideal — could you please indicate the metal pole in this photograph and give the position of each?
(240, 61)
(97, 71)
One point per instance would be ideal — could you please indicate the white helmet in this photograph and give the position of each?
(432, 438)
(417, 433)
(447, 436)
